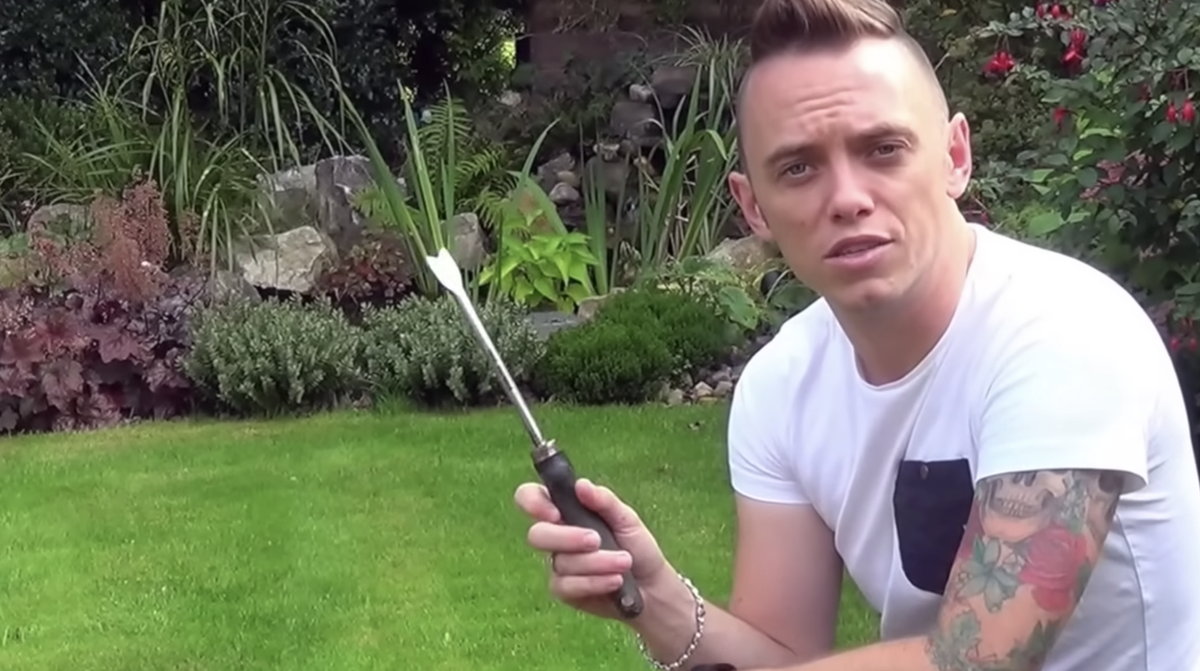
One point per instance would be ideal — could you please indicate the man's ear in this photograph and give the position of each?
(739, 186)
(958, 157)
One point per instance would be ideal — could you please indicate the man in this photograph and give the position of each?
(988, 437)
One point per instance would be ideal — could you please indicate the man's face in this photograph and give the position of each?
(851, 168)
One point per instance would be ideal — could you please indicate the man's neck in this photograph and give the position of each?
(891, 343)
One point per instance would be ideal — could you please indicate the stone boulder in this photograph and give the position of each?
(290, 261)
(320, 195)
(746, 254)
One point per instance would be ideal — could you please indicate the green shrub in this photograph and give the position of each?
(694, 331)
(274, 356)
(605, 361)
(424, 349)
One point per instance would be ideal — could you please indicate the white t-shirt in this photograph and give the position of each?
(1047, 364)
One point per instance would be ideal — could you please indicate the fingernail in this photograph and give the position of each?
(593, 538)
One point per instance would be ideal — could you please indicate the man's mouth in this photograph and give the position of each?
(856, 246)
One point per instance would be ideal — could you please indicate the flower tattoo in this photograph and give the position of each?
(1030, 542)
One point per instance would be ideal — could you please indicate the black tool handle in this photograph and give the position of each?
(559, 477)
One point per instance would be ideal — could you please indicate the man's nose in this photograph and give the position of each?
(849, 199)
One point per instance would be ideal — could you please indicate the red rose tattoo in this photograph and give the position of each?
(1053, 560)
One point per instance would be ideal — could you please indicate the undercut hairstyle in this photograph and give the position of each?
(805, 26)
(781, 26)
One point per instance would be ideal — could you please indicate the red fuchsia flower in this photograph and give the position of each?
(1172, 112)
(1188, 113)
(1000, 64)
(1057, 11)
(1060, 116)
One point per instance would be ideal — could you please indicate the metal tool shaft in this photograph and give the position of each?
(510, 385)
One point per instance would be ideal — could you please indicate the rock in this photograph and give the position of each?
(609, 151)
(744, 254)
(60, 215)
(225, 285)
(641, 93)
(635, 121)
(702, 390)
(722, 374)
(674, 397)
(568, 177)
(466, 241)
(338, 181)
(290, 261)
(586, 309)
(613, 175)
(564, 193)
(321, 195)
(546, 174)
(510, 99)
(671, 83)
(547, 323)
(723, 389)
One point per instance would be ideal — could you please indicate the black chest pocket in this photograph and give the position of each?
(931, 502)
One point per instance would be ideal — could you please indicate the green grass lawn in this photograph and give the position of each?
(347, 541)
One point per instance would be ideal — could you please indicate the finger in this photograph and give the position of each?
(604, 562)
(583, 587)
(551, 537)
(620, 517)
(534, 500)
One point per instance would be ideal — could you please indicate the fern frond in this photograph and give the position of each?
(447, 117)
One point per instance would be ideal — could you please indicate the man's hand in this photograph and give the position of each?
(1028, 550)
(581, 574)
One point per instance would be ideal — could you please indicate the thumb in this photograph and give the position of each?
(623, 520)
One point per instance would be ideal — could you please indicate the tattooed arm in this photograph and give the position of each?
(1025, 558)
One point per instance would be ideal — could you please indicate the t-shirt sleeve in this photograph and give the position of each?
(758, 466)
(1062, 399)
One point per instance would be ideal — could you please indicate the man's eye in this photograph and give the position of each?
(888, 149)
(794, 169)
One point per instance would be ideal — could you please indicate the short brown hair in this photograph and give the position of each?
(798, 26)
(801, 25)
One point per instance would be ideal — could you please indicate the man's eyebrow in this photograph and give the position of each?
(789, 151)
(884, 131)
(876, 133)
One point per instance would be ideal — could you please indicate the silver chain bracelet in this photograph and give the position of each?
(693, 644)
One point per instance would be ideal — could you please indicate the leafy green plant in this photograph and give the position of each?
(1119, 159)
(473, 177)
(207, 162)
(715, 282)
(209, 186)
(274, 357)
(690, 326)
(425, 350)
(682, 210)
(603, 362)
(536, 266)
(229, 44)
(784, 296)
(425, 224)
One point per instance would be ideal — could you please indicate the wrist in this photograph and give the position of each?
(672, 622)
(669, 604)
